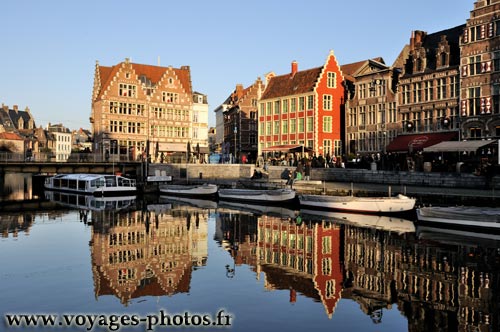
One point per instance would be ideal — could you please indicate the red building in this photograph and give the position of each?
(303, 109)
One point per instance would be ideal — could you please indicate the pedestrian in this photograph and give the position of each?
(307, 171)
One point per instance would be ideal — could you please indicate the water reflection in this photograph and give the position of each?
(439, 280)
(151, 252)
(16, 186)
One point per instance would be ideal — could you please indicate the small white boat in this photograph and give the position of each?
(204, 190)
(399, 203)
(385, 223)
(268, 196)
(461, 216)
(92, 184)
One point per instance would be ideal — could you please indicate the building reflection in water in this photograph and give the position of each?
(438, 286)
(293, 255)
(147, 253)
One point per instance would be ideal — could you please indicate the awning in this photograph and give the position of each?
(287, 148)
(417, 142)
(457, 146)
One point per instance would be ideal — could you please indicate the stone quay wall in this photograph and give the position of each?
(215, 172)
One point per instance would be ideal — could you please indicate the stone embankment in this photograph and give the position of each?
(338, 180)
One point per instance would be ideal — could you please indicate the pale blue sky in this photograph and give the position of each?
(49, 48)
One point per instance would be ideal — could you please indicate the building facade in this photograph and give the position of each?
(428, 91)
(371, 110)
(480, 73)
(240, 122)
(303, 108)
(140, 110)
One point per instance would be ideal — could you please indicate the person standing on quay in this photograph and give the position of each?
(307, 171)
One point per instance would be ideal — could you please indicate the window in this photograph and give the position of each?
(406, 94)
(301, 125)
(269, 108)
(417, 93)
(310, 102)
(284, 105)
(293, 127)
(276, 127)
(331, 80)
(327, 102)
(443, 58)
(454, 87)
(327, 124)
(302, 103)
(429, 91)
(475, 133)
(310, 124)
(475, 65)
(293, 105)
(441, 88)
(284, 127)
(474, 101)
(170, 97)
(127, 90)
(268, 128)
(277, 107)
(326, 245)
(327, 146)
(262, 109)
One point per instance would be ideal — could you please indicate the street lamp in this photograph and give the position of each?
(235, 133)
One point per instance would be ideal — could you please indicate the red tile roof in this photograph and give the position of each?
(286, 85)
(153, 73)
(10, 136)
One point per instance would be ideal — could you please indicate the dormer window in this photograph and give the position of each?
(418, 65)
(127, 75)
(443, 58)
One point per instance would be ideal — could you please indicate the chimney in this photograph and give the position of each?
(295, 67)
(239, 90)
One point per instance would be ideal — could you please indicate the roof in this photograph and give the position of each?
(349, 69)
(152, 73)
(417, 142)
(10, 136)
(286, 85)
(458, 146)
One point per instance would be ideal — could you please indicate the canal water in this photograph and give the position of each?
(134, 263)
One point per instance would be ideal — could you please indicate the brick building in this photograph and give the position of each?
(371, 110)
(142, 109)
(240, 121)
(480, 73)
(303, 109)
(428, 91)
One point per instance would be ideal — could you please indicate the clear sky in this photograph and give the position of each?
(49, 48)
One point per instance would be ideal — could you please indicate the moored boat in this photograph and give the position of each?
(464, 217)
(92, 184)
(399, 203)
(268, 196)
(206, 190)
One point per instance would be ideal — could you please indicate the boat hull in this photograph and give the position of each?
(396, 204)
(271, 197)
(202, 191)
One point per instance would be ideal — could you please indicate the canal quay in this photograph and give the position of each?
(183, 262)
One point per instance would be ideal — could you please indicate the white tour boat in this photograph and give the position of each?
(92, 184)
(399, 203)
(206, 190)
(269, 196)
